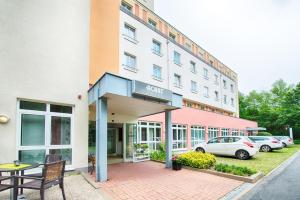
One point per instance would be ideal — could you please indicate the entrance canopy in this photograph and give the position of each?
(117, 99)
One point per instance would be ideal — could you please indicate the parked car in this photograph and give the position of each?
(239, 146)
(286, 140)
(266, 143)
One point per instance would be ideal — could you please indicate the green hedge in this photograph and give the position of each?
(236, 170)
(158, 155)
(197, 160)
(264, 134)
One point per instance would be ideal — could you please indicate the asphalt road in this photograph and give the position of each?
(281, 185)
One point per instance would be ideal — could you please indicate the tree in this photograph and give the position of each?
(275, 109)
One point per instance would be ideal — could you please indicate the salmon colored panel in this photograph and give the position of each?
(160, 26)
(145, 15)
(190, 116)
(137, 10)
(166, 30)
(104, 38)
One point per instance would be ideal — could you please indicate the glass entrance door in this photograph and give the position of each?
(111, 141)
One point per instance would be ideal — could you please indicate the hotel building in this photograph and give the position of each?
(108, 74)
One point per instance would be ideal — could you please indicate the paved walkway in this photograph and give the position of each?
(150, 180)
(76, 188)
(283, 184)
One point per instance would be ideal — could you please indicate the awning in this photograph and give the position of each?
(256, 129)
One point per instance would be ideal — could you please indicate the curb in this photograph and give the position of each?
(248, 179)
(246, 187)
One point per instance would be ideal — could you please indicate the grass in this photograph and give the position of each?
(264, 162)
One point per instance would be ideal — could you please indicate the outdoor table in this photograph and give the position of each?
(15, 170)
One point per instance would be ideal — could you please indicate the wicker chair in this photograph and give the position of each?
(53, 174)
(50, 158)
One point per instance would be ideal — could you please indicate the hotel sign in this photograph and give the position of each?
(147, 90)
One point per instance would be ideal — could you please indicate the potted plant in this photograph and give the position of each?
(176, 165)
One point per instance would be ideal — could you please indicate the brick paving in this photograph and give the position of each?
(151, 181)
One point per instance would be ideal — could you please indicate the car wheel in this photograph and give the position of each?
(284, 144)
(242, 155)
(265, 148)
(199, 149)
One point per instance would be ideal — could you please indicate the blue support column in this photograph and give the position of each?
(168, 138)
(101, 139)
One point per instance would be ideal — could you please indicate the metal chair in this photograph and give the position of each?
(53, 174)
(4, 186)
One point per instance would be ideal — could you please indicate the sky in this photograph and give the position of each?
(258, 39)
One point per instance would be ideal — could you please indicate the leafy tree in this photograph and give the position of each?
(275, 109)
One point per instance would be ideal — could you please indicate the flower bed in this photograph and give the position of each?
(233, 169)
(197, 160)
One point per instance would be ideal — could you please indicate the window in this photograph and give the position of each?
(179, 136)
(194, 87)
(177, 58)
(172, 36)
(197, 135)
(157, 72)
(242, 133)
(126, 6)
(216, 96)
(44, 129)
(129, 31)
(152, 23)
(234, 132)
(216, 79)
(231, 88)
(188, 46)
(193, 67)
(205, 73)
(225, 99)
(225, 131)
(224, 84)
(177, 80)
(156, 47)
(206, 90)
(232, 102)
(149, 133)
(213, 132)
(130, 61)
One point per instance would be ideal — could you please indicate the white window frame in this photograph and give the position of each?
(179, 130)
(194, 86)
(155, 50)
(193, 67)
(130, 31)
(225, 131)
(126, 65)
(232, 102)
(232, 88)
(234, 132)
(224, 84)
(48, 116)
(206, 92)
(216, 79)
(148, 126)
(225, 99)
(178, 56)
(159, 78)
(213, 132)
(197, 134)
(177, 84)
(205, 73)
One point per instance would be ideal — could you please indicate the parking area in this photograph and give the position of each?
(151, 180)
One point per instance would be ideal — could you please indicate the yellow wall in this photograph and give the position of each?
(104, 38)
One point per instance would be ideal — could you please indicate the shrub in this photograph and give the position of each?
(158, 155)
(236, 170)
(197, 160)
(264, 134)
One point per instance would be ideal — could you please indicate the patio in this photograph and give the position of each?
(76, 188)
(151, 180)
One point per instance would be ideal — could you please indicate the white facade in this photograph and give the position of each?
(44, 58)
(141, 48)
